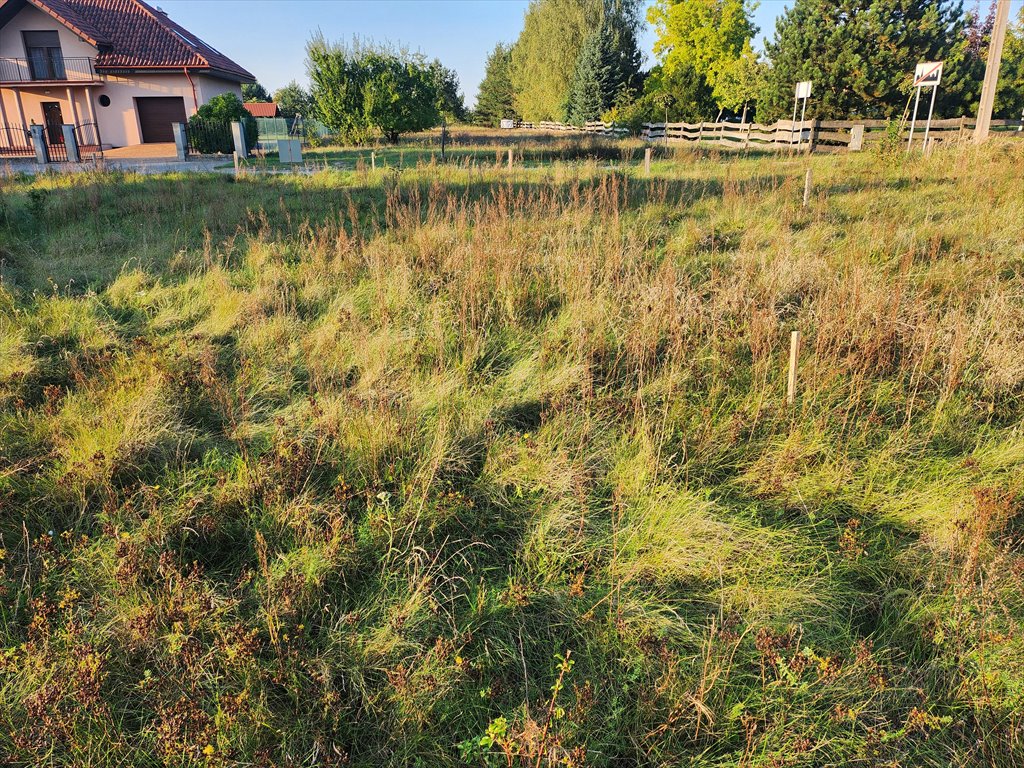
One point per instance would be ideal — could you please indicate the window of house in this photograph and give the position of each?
(45, 60)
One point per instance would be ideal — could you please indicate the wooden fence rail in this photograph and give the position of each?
(597, 128)
(809, 135)
(817, 134)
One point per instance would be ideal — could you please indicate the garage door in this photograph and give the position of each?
(156, 114)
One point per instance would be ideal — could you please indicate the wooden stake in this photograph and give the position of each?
(807, 188)
(373, 160)
(236, 163)
(794, 354)
(510, 158)
(647, 162)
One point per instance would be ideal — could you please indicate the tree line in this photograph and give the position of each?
(578, 60)
(363, 89)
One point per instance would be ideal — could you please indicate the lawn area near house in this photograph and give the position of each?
(458, 466)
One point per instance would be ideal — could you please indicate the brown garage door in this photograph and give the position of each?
(156, 114)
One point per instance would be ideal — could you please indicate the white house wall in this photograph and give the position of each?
(31, 19)
(119, 122)
(214, 86)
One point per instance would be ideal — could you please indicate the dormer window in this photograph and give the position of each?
(45, 59)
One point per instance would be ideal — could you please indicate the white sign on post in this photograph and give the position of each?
(803, 91)
(507, 124)
(927, 74)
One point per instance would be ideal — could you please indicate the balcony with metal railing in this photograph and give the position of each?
(46, 70)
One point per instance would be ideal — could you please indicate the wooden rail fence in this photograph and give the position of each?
(808, 135)
(597, 128)
(826, 135)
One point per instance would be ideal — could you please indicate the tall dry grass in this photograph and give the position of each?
(466, 466)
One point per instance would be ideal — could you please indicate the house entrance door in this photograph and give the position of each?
(53, 118)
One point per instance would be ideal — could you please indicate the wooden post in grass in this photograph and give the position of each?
(235, 155)
(647, 162)
(794, 354)
(807, 188)
(510, 158)
(373, 160)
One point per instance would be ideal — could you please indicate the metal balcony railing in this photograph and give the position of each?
(48, 69)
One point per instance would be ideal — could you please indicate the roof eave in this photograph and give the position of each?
(175, 69)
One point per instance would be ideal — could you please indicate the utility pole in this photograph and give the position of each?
(995, 55)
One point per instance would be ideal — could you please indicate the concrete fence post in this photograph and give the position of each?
(39, 144)
(71, 143)
(180, 141)
(238, 134)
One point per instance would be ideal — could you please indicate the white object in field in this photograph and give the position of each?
(794, 357)
(802, 92)
(857, 138)
(506, 123)
(927, 73)
(289, 150)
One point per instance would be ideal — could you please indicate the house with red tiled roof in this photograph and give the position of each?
(262, 108)
(121, 70)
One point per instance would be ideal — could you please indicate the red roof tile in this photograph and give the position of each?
(261, 108)
(132, 35)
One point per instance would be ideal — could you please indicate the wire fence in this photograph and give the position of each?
(270, 130)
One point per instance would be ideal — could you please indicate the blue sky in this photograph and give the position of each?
(268, 37)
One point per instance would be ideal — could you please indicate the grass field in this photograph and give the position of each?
(460, 466)
(464, 146)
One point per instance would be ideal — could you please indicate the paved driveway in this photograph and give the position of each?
(142, 151)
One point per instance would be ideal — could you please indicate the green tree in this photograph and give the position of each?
(707, 35)
(362, 88)
(208, 129)
(680, 96)
(682, 93)
(293, 100)
(589, 91)
(739, 83)
(254, 92)
(861, 55)
(545, 54)
(399, 96)
(496, 97)
(450, 103)
(621, 50)
(1010, 93)
(337, 78)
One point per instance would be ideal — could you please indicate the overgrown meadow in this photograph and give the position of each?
(458, 466)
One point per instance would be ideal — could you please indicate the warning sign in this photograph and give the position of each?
(927, 73)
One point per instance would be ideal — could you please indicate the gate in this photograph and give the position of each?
(209, 137)
(15, 141)
(87, 136)
(56, 152)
